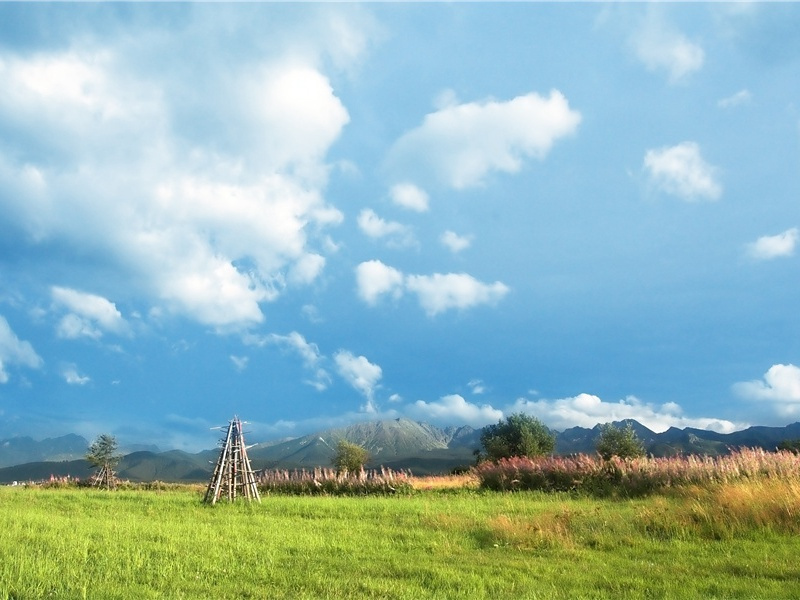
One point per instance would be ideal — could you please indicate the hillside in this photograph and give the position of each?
(396, 443)
(18, 450)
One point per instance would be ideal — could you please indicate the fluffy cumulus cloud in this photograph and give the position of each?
(661, 48)
(88, 315)
(454, 409)
(681, 170)
(440, 292)
(436, 293)
(454, 242)
(780, 387)
(463, 143)
(14, 351)
(774, 246)
(587, 410)
(375, 279)
(361, 374)
(73, 377)
(205, 221)
(396, 234)
(409, 196)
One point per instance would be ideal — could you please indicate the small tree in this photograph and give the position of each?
(618, 441)
(518, 435)
(349, 457)
(102, 454)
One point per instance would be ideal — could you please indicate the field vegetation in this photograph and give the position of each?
(639, 476)
(711, 537)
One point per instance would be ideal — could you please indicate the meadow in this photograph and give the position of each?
(437, 539)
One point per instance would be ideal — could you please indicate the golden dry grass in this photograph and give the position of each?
(467, 481)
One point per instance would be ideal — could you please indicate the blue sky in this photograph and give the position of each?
(314, 214)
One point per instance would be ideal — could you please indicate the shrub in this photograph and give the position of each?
(617, 441)
(349, 457)
(518, 435)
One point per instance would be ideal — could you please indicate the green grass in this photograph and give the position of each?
(82, 543)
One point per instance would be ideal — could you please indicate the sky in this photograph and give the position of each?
(310, 215)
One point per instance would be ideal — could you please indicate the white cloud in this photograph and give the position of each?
(780, 387)
(681, 170)
(477, 386)
(454, 409)
(375, 279)
(373, 226)
(438, 293)
(239, 362)
(774, 246)
(90, 315)
(72, 377)
(194, 268)
(306, 268)
(738, 99)
(463, 143)
(201, 228)
(14, 351)
(311, 312)
(308, 352)
(587, 410)
(409, 196)
(361, 374)
(453, 241)
(296, 104)
(659, 47)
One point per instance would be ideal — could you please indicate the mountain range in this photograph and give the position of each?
(397, 444)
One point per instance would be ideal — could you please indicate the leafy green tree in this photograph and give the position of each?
(103, 452)
(349, 457)
(618, 441)
(518, 435)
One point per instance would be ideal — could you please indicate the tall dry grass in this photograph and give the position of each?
(634, 477)
(321, 481)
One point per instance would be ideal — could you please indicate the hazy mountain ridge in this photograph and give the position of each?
(396, 443)
(18, 450)
(386, 441)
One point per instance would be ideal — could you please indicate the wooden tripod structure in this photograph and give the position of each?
(233, 476)
(105, 477)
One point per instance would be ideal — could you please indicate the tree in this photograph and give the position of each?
(102, 454)
(618, 441)
(349, 457)
(792, 446)
(518, 435)
(103, 451)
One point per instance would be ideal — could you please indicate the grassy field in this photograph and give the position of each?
(733, 541)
